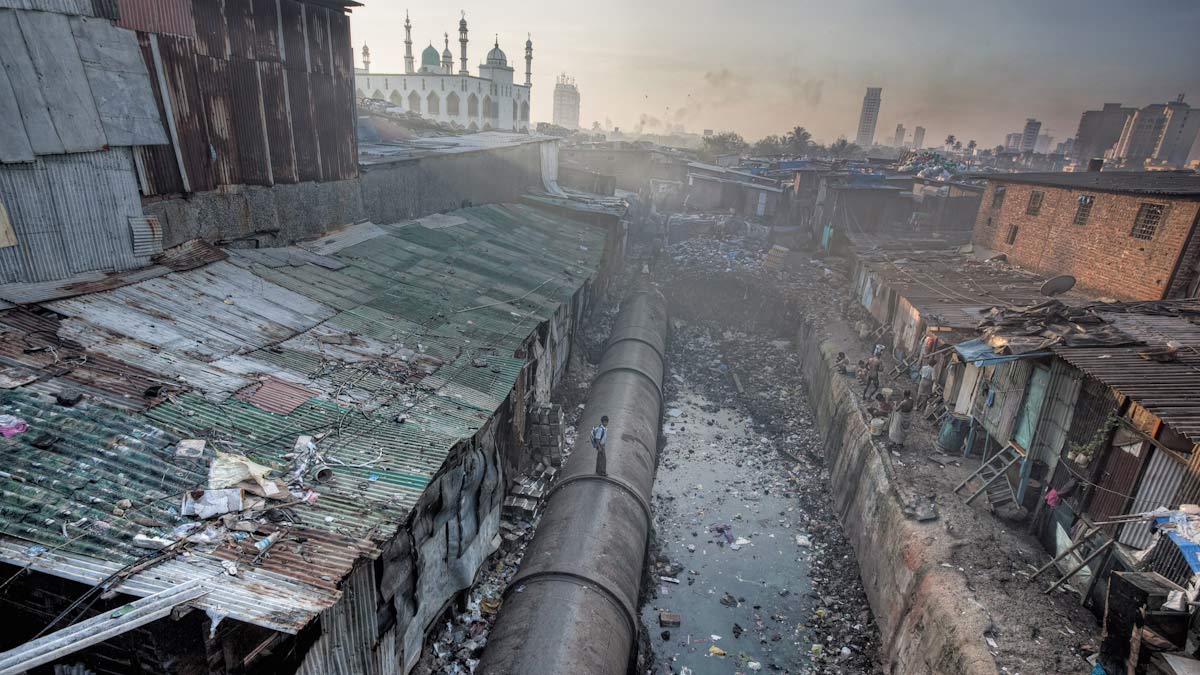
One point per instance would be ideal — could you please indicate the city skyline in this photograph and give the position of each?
(663, 68)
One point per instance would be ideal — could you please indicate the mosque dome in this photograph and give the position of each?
(430, 57)
(496, 57)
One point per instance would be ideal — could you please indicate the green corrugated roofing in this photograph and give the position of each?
(468, 294)
(65, 494)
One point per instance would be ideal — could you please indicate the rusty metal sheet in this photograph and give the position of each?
(340, 46)
(274, 395)
(294, 47)
(279, 121)
(212, 36)
(239, 19)
(217, 93)
(35, 343)
(158, 169)
(267, 40)
(179, 67)
(318, 39)
(165, 17)
(333, 116)
(304, 131)
(253, 154)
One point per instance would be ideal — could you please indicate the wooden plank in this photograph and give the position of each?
(64, 85)
(14, 142)
(7, 236)
(120, 84)
(23, 78)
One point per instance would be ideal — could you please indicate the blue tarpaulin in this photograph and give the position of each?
(980, 353)
(1189, 548)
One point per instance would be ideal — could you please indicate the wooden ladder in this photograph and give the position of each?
(1093, 543)
(993, 474)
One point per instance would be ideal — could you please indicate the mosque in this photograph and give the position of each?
(489, 100)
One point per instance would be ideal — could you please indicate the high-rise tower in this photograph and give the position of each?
(869, 117)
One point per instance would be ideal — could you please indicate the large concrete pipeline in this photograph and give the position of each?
(572, 609)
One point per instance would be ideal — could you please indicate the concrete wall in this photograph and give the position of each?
(1100, 254)
(383, 193)
(294, 212)
(411, 189)
(926, 616)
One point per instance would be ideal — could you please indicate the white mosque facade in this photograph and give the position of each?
(487, 100)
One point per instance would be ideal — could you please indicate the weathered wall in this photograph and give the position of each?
(926, 616)
(402, 190)
(384, 193)
(298, 211)
(1100, 254)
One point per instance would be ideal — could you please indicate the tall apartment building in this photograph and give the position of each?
(1013, 142)
(566, 102)
(1160, 134)
(1099, 131)
(1029, 136)
(898, 139)
(1044, 141)
(869, 117)
(918, 137)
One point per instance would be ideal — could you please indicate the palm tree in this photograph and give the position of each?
(841, 149)
(950, 141)
(798, 141)
(958, 146)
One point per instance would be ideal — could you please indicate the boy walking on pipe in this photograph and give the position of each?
(599, 439)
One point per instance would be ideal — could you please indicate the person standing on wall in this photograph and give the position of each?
(599, 441)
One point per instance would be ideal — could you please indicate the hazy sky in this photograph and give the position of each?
(974, 68)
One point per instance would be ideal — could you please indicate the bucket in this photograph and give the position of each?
(954, 433)
(877, 426)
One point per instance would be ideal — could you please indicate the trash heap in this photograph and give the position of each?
(932, 165)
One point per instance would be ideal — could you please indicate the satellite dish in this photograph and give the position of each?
(1058, 285)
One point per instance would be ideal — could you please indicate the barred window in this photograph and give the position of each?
(998, 196)
(1146, 223)
(1084, 210)
(1035, 202)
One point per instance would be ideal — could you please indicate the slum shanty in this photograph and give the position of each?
(319, 357)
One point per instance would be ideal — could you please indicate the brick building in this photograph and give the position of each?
(1124, 235)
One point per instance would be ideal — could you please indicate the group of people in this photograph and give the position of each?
(867, 372)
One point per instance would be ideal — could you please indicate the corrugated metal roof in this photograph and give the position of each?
(1167, 389)
(415, 359)
(186, 256)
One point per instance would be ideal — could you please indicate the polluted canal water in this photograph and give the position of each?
(742, 530)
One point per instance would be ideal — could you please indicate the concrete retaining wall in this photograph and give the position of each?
(926, 614)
